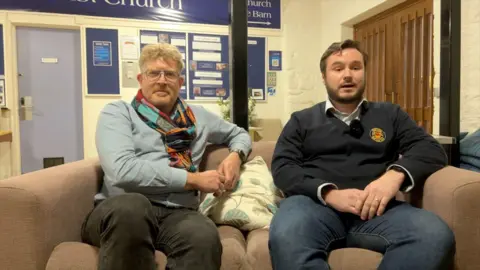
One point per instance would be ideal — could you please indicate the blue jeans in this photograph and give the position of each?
(303, 232)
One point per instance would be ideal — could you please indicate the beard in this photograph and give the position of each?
(334, 96)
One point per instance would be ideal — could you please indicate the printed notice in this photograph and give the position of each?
(102, 53)
(130, 47)
(208, 67)
(275, 60)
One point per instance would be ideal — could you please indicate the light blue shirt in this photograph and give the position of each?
(134, 159)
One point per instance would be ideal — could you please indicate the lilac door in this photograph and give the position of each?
(49, 70)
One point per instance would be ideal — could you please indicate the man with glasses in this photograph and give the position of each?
(150, 150)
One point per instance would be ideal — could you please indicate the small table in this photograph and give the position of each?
(448, 144)
(5, 136)
(445, 139)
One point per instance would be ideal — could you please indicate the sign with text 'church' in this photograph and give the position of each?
(261, 13)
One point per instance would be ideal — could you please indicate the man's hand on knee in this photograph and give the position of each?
(345, 200)
(379, 193)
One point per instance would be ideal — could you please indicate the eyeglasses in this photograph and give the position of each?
(157, 74)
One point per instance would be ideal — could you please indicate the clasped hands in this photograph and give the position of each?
(217, 181)
(369, 202)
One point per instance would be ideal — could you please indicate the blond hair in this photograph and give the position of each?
(163, 51)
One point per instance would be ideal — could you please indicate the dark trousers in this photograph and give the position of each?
(304, 232)
(128, 229)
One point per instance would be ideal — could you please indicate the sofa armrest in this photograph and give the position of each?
(41, 209)
(454, 195)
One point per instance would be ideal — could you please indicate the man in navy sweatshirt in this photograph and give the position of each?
(340, 164)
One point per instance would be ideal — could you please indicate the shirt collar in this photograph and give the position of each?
(329, 106)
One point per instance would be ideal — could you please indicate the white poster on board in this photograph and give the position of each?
(130, 47)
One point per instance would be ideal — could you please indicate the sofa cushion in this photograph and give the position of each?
(253, 202)
(470, 145)
(352, 258)
(80, 256)
(258, 256)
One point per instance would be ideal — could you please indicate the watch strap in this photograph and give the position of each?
(240, 153)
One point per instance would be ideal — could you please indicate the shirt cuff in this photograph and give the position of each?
(319, 191)
(178, 180)
(242, 147)
(410, 178)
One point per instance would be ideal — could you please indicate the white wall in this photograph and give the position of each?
(302, 22)
(470, 66)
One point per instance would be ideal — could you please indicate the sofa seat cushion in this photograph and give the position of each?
(80, 256)
(354, 259)
(258, 256)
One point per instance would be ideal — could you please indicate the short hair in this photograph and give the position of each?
(164, 51)
(338, 46)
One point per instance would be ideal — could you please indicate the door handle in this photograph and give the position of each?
(26, 108)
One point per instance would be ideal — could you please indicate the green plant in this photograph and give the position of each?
(225, 108)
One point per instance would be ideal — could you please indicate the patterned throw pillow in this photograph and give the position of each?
(251, 205)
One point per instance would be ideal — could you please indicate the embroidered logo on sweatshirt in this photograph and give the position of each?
(377, 135)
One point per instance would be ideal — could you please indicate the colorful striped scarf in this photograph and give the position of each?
(178, 131)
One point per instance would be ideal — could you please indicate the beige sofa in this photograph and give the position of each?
(41, 214)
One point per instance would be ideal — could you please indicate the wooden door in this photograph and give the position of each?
(399, 43)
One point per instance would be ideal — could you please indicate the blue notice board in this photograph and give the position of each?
(208, 68)
(103, 76)
(275, 60)
(176, 38)
(256, 67)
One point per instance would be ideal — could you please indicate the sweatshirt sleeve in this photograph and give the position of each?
(421, 154)
(115, 146)
(287, 163)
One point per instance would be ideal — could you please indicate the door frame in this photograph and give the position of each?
(25, 19)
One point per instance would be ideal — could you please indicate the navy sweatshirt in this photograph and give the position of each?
(316, 148)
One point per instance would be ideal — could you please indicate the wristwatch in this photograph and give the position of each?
(240, 153)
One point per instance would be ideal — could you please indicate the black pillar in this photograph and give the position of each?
(450, 88)
(238, 62)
